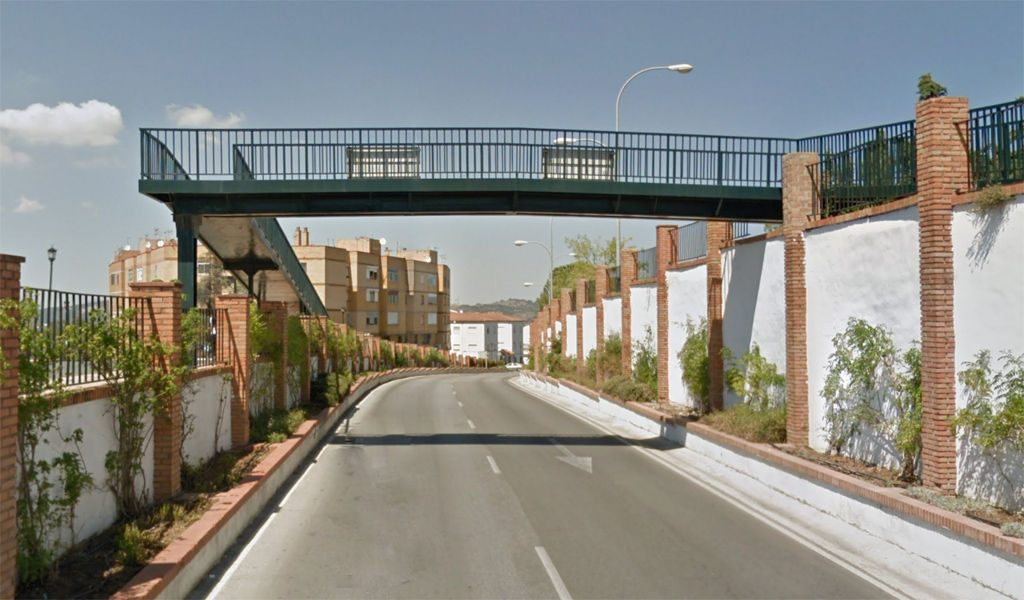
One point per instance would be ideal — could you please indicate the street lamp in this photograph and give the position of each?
(52, 255)
(682, 69)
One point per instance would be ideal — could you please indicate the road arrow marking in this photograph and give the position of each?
(580, 462)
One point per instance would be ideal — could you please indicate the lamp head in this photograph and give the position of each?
(51, 253)
(520, 242)
(527, 284)
(681, 68)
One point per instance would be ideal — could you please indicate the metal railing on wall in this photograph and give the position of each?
(56, 312)
(647, 263)
(740, 230)
(208, 343)
(996, 137)
(693, 241)
(615, 280)
(876, 166)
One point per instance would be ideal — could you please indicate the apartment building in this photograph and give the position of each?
(493, 336)
(401, 296)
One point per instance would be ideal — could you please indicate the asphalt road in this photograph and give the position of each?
(464, 487)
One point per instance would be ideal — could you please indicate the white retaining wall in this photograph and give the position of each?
(988, 313)
(687, 299)
(643, 314)
(754, 298)
(261, 388)
(866, 269)
(96, 509)
(569, 339)
(208, 401)
(612, 316)
(589, 330)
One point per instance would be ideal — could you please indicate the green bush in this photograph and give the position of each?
(766, 425)
(338, 385)
(624, 388)
(275, 426)
(693, 358)
(755, 379)
(590, 366)
(645, 361)
(611, 356)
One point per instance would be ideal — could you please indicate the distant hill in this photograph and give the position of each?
(513, 307)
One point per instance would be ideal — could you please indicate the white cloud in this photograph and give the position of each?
(28, 205)
(91, 123)
(198, 116)
(11, 156)
(88, 204)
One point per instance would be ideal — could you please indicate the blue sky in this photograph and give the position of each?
(69, 176)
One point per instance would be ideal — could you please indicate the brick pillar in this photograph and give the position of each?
(719, 233)
(600, 290)
(565, 307)
(797, 204)
(237, 330)
(666, 256)
(164, 322)
(628, 264)
(941, 171)
(535, 326)
(581, 299)
(324, 324)
(10, 340)
(277, 323)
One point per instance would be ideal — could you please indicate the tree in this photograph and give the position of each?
(595, 252)
(929, 88)
(565, 277)
(214, 283)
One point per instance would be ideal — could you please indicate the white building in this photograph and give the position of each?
(493, 336)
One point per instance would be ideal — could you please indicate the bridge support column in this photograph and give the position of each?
(187, 227)
(797, 205)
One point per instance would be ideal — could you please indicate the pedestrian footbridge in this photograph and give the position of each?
(226, 186)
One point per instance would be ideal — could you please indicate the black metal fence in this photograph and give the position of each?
(874, 166)
(647, 263)
(614, 280)
(692, 240)
(461, 153)
(996, 144)
(56, 311)
(202, 344)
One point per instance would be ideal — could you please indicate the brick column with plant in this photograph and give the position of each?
(10, 289)
(164, 322)
(277, 323)
(797, 205)
(941, 173)
(565, 308)
(666, 241)
(719, 234)
(237, 330)
(600, 291)
(581, 299)
(627, 271)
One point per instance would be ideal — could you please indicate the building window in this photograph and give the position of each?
(432, 280)
(371, 294)
(372, 273)
(392, 274)
(113, 279)
(393, 318)
(139, 276)
(432, 299)
(371, 320)
(421, 299)
(203, 267)
(131, 275)
(305, 267)
(456, 328)
(431, 318)
(422, 320)
(392, 297)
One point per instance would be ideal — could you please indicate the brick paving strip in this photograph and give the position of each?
(177, 568)
(891, 498)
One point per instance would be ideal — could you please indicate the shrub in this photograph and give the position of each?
(645, 361)
(1013, 529)
(133, 545)
(611, 356)
(275, 426)
(755, 379)
(990, 197)
(693, 358)
(590, 366)
(624, 388)
(338, 385)
(767, 425)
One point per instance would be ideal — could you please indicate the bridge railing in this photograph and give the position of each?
(462, 153)
(996, 135)
(277, 242)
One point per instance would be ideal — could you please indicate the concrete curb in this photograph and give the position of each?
(180, 566)
(795, 476)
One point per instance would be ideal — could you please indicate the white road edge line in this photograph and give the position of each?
(764, 518)
(299, 482)
(238, 561)
(459, 403)
(494, 465)
(471, 425)
(563, 592)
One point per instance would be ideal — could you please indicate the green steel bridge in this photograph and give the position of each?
(227, 186)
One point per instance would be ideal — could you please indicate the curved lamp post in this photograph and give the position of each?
(682, 69)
